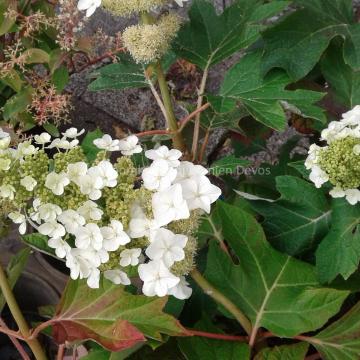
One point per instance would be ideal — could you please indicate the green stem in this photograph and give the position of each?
(177, 138)
(222, 299)
(171, 119)
(198, 116)
(18, 316)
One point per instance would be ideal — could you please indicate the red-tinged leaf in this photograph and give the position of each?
(111, 316)
(119, 336)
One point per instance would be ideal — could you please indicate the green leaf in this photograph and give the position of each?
(226, 117)
(90, 150)
(208, 38)
(14, 269)
(266, 98)
(339, 252)
(6, 23)
(13, 80)
(111, 316)
(340, 340)
(210, 227)
(38, 242)
(56, 58)
(195, 348)
(299, 219)
(47, 311)
(284, 352)
(51, 129)
(268, 9)
(263, 178)
(17, 103)
(300, 168)
(344, 81)
(36, 56)
(123, 75)
(60, 78)
(220, 104)
(227, 165)
(335, 10)
(297, 43)
(274, 290)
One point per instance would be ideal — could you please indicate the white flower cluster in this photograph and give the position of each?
(85, 235)
(337, 161)
(91, 5)
(178, 187)
(92, 243)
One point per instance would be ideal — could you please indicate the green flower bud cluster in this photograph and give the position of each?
(187, 227)
(100, 156)
(141, 243)
(117, 209)
(12, 178)
(341, 164)
(63, 159)
(144, 199)
(5, 162)
(39, 169)
(114, 259)
(149, 42)
(119, 199)
(185, 266)
(126, 170)
(129, 7)
(72, 198)
(6, 207)
(36, 166)
(118, 202)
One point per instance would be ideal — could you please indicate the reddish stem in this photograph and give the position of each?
(109, 54)
(35, 333)
(204, 145)
(15, 342)
(217, 336)
(74, 354)
(184, 121)
(61, 352)
(153, 132)
(266, 334)
(12, 333)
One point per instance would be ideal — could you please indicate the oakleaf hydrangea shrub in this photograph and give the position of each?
(100, 217)
(275, 264)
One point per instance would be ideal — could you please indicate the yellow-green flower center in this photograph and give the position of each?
(340, 162)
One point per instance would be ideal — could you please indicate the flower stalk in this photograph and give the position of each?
(172, 124)
(222, 299)
(171, 119)
(18, 316)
